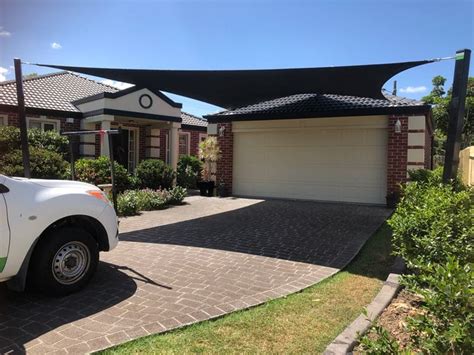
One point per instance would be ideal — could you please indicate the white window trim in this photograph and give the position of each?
(44, 120)
(137, 144)
(188, 150)
(137, 141)
(3, 120)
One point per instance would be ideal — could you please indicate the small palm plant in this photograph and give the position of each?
(210, 153)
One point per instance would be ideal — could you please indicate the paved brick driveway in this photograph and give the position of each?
(187, 264)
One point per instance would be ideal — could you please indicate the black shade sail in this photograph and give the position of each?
(235, 88)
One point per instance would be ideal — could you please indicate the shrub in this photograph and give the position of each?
(177, 195)
(9, 139)
(432, 223)
(433, 178)
(433, 232)
(127, 204)
(50, 140)
(149, 200)
(446, 323)
(188, 172)
(44, 164)
(97, 171)
(154, 174)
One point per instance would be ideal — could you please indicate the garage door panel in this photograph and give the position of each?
(312, 163)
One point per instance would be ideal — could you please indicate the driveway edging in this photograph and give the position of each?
(345, 342)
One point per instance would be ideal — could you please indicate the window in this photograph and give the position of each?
(43, 124)
(3, 120)
(184, 144)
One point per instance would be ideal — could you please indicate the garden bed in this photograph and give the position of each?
(394, 319)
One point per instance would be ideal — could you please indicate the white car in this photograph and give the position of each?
(51, 232)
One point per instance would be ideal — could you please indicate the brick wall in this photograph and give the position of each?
(225, 163)
(397, 153)
(163, 138)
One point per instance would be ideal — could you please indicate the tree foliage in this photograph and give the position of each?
(440, 99)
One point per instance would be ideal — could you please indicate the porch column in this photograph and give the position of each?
(87, 142)
(104, 146)
(174, 145)
(104, 121)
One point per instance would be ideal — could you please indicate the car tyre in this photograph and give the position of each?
(64, 261)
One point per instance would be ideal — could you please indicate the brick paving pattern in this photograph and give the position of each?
(187, 264)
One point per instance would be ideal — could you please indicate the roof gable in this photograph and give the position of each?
(136, 100)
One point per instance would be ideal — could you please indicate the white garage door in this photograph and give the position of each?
(334, 159)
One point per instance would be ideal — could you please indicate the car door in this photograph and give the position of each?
(4, 227)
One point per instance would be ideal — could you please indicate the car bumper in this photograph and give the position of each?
(109, 220)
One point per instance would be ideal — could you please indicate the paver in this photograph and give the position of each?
(190, 263)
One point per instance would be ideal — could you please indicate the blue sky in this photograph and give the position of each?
(236, 35)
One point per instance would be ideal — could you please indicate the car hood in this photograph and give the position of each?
(61, 184)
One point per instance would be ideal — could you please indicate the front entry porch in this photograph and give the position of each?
(139, 139)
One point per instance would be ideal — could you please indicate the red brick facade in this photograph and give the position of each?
(397, 153)
(225, 163)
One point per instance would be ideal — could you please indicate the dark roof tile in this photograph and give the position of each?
(305, 105)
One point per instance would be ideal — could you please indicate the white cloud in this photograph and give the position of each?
(4, 33)
(116, 84)
(56, 45)
(413, 89)
(3, 73)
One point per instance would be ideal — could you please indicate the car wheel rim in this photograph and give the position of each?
(71, 263)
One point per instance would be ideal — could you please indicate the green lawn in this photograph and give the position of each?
(305, 322)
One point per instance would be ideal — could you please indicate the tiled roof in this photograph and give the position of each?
(191, 120)
(53, 91)
(316, 105)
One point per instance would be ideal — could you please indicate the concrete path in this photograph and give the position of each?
(187, 264)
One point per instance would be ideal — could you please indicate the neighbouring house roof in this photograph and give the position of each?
(54, 92)
(191, 120)
(320, 105)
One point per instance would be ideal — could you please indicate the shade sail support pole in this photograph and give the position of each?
(25, 151)
(456, 114)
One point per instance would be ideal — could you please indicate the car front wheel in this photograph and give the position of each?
(64, 261)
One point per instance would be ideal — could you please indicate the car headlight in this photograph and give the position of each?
(99, 194)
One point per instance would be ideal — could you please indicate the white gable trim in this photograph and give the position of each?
(131, 103)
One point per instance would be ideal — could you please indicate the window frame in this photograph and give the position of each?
(42, 121)
(3, 120)
(188, 140)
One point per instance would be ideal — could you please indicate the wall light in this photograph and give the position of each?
(398, 126)
(221, 131)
